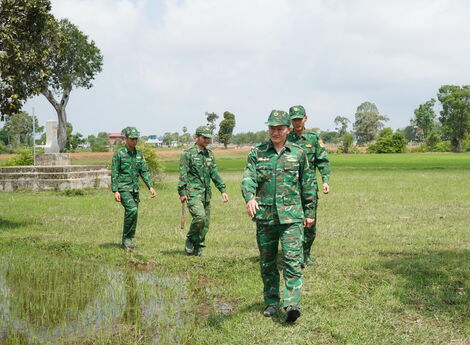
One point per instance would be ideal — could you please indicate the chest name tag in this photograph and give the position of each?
(264, 159)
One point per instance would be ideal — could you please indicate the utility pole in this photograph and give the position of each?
(34, 138)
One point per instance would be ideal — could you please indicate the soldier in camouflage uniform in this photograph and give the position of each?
(317, 158)
(197, 169)
(128, 164)
(280, 195)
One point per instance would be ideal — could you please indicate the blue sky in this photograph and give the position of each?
(168, 62)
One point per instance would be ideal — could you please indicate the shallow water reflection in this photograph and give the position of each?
(47, 301)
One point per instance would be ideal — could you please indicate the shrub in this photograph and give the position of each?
(24, 157)
(394, 143)
(153, 161)
(443, 146)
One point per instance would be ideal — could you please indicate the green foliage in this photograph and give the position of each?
(330, 136)
(18, 130)
(455, 114)
(250, 138)
(409, 133)
(74, 192)
(24, 157)
(42, 55)
(211, 119)
(442, 146)
(368, 122)
(226, 127)
(432, 140)
(99, 143)
(424, 118)
(28, 30)
(73, 140)
(342, 124)
(346, 142)
(388, 142)
(153, 161)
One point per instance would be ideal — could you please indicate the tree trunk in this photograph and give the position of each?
(61, 114)
(459, 145)
(62, 128)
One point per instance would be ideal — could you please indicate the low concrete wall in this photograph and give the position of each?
(42, 178)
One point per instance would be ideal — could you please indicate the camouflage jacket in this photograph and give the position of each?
(197, 169)
(126, 168)
(316, 152)
(283, 185)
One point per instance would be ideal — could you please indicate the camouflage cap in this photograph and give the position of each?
(204, 131)
(296, 112)
(130, 132)
(278, 118)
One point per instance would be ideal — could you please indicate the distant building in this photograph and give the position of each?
(115, 137)
(154, 140)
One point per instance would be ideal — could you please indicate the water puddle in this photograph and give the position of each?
(52, 301)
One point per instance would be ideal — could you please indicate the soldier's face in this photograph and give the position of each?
(202, 141)
(278, 134)
(131, 143)
(299, 124)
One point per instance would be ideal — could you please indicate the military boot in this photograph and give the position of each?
(127, 243)
(270, 310)
(189, 247)
(293, 313)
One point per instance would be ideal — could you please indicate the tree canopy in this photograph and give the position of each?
(455, 114)
(368, 122)
(41, 55)
(226, 127)
(425, 117)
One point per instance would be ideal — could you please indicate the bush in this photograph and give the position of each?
(153, 161)
(24, 157)
(443, 146)
(388, 143)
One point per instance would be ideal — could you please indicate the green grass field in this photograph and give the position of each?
(393, 255)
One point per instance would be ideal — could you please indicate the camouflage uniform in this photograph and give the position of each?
(197, 169)
(126, 168)
(284, 187)
(318, 159)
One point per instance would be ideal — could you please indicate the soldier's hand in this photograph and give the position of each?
(252, 207)
(152, 192)
(326, 188)
(308, 222)
(183, 198)
(224, 197)
(117, 196)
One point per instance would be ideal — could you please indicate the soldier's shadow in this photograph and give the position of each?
(6, 224)
(435, 282)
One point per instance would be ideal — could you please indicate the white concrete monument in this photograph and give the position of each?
(51, 137)
(51, 155)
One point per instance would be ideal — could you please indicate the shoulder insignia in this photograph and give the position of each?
(139, 157)
(292, 159)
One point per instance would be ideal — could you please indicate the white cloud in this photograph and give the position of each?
(167, 62)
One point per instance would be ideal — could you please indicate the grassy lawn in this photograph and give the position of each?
(393, 255)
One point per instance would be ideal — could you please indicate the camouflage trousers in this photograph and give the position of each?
(200, 209)
(130, 202)
(268, 237)
(309, 236)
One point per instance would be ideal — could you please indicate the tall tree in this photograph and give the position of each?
(226, 127)
(60, 58)
(19, 129)
(26, 27)
(342, 124)
(455, 114)
(211, 119)
(425, 117)
(368, 122)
